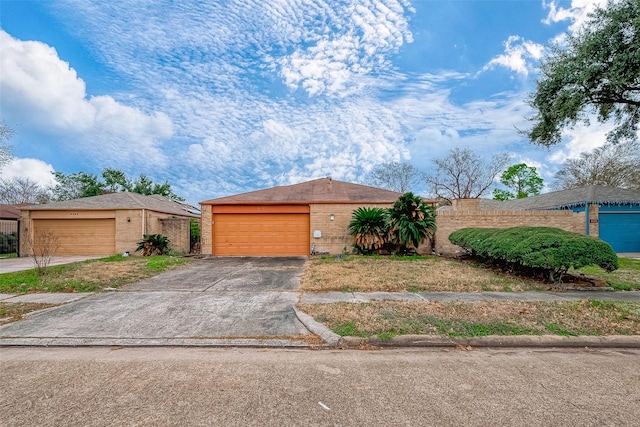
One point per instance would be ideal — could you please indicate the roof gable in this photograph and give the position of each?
(122, 200)
(323, 190)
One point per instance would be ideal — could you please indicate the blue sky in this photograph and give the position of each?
(222, 97)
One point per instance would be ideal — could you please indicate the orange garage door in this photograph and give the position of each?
(263, 234)
(78, 236)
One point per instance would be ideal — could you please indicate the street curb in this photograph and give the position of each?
(495, 341)
(329, 337)
(152, 342)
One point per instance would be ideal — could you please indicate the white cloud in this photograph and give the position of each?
(34, 169)
(518, 54)
(44, 92)
(362, 37)
(580, 139)
(264, 93)
(577, 13)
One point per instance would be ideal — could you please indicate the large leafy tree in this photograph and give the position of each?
(615, 165)
(522, 181)
(463, 174)
(395, 176)
(82, 184)
(594, 71)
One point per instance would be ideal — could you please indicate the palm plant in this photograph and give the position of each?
(153, 244)
(368, 227)
(411, 222)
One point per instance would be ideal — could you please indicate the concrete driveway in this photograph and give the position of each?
(218, 301)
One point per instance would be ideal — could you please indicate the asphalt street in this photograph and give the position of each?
(253, 387)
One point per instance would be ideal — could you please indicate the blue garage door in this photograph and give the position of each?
(621, 230)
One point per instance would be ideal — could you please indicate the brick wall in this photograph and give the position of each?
(128, 230)
(206, 230)
(335, 233)
(466, 216)
(132, 225)
(178, 231)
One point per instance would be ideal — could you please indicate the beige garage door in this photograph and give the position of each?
(264, 234)
(78, 236)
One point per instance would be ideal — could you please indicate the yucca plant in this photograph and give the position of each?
(153, 244)
(368, 227)
(411, 222)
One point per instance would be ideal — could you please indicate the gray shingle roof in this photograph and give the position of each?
(10, 212)
(566, 199)
(323, 190)
(125, 200)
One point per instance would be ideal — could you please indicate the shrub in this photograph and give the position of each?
(546, 250)
(368, 227)
(153, 244)
(194, 234)
(411, 222)
(400, 229)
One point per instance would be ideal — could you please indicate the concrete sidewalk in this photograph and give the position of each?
(134, 333)
(355, 297)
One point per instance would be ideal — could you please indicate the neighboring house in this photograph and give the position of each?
(287, 220)
(107, 224)
(9, 220)
(612, 214)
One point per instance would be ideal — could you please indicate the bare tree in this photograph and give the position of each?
(42, 247)
(5, 148)
(395, 176)
(463, 174)
(615, 165)
(22, 190)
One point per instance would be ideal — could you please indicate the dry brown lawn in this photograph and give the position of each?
(387, 274)
(388, 318)
(14, 311)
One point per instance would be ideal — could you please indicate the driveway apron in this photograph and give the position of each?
(218, 301)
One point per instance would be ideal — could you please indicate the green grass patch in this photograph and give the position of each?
(625, 278)
(159, 263)
(89, 275)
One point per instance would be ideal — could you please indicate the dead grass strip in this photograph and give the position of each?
(588, 317)
(369, 274)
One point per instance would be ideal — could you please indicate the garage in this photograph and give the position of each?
(78, 236)
(105, 225)
(621, 228)
(261, 234)
(289, 220)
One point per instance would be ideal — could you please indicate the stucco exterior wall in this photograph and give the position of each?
(468, 215)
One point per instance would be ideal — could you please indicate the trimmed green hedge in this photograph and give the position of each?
(546, 250)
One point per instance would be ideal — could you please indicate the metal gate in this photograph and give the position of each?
(9, 236)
